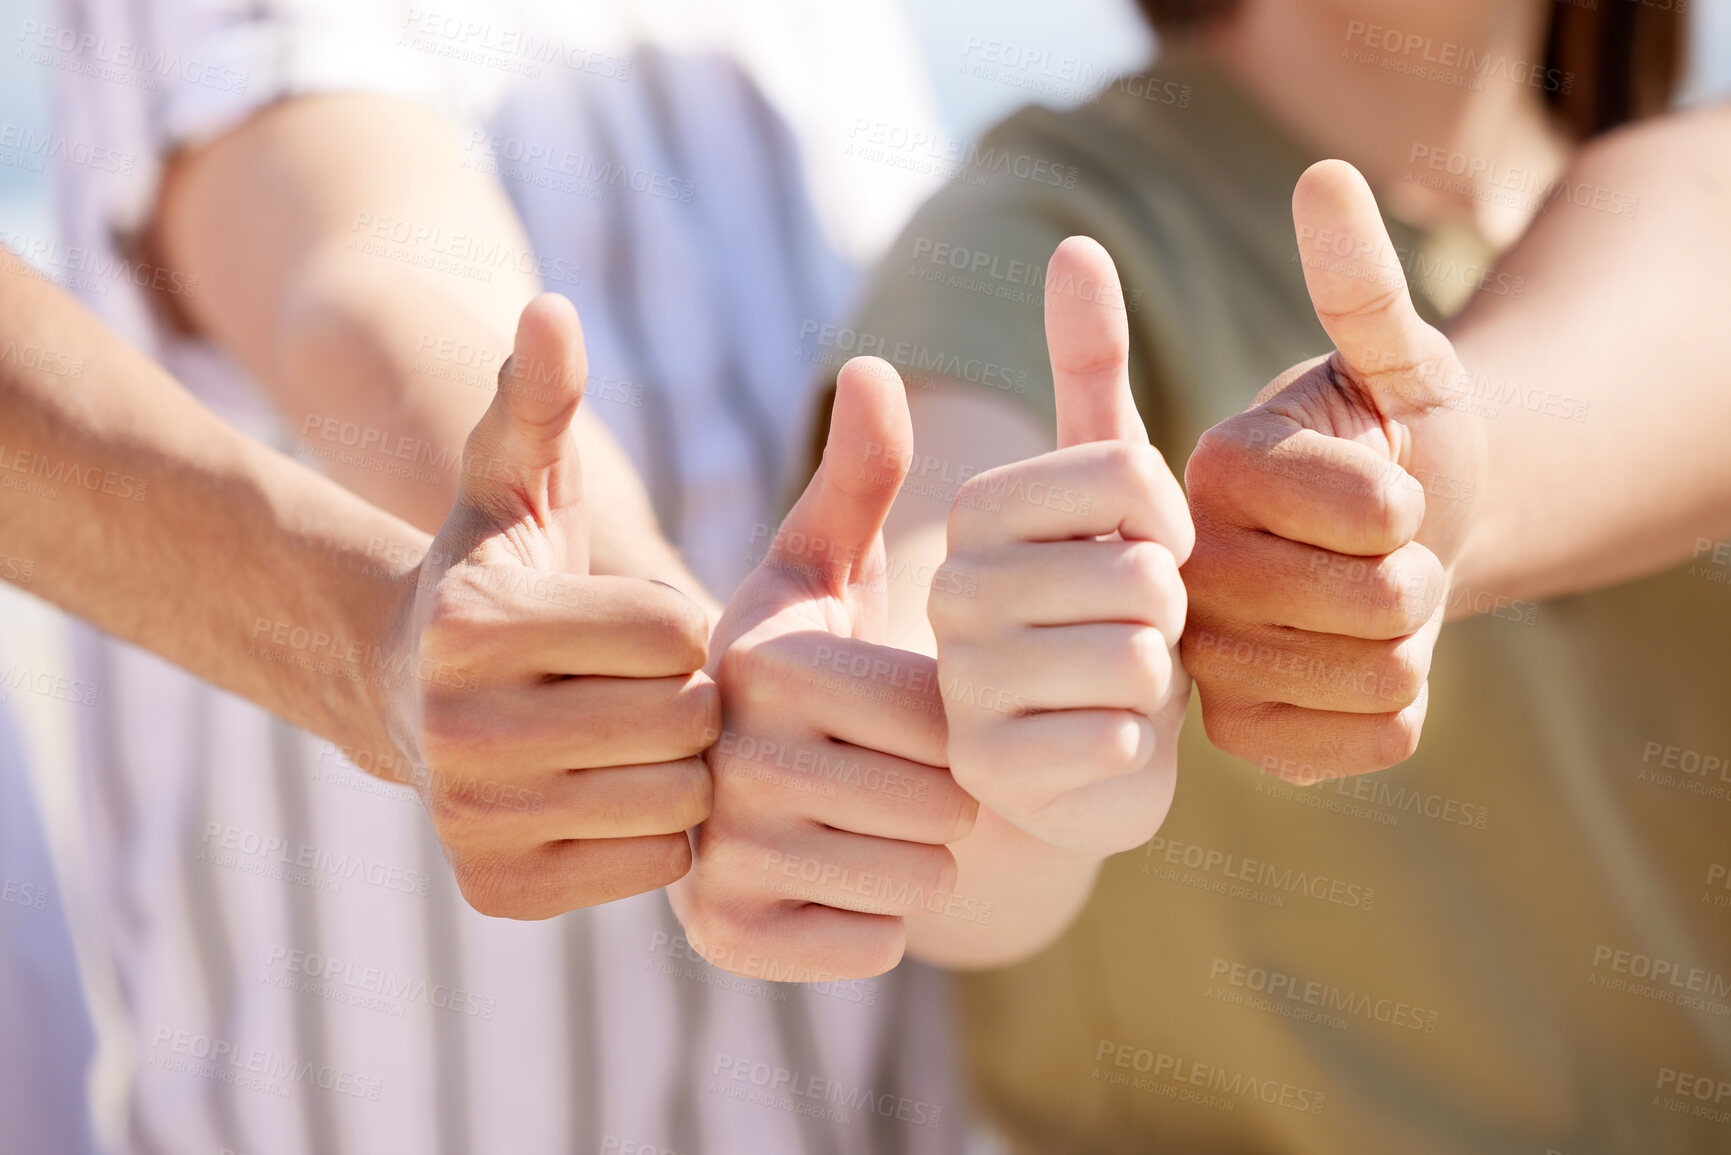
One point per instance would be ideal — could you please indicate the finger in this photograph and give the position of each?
(1112, 815)
(842, 786)
(1088, 338)
(1258, 577)
(1083, 491)
(1310, 745)
(572, 723)
(846, 871)
(1324, 672)
(1358, 288)
(1260, 471)
(521, 459)
(606, 802)
(1060, 583)
(802, 944)
(506, 617)
(1112, 665)
(877, 697)
(1029, 761)
(562, 876)
(831, 530)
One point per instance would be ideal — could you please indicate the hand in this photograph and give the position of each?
(1329, 516)
(832, 806)
(555, 719)
(1059, 607)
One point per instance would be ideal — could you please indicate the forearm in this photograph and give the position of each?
(372, 282)
(1014, 895)
(153, 519)
(1610, 371)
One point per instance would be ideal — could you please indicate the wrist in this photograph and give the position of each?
(380, 716)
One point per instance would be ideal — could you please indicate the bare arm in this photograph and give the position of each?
(1552, 442)
(152, 518)
(1623, 322)
(454, 666)
(354, 266)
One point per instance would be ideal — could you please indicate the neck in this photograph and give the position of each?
(1441, 115)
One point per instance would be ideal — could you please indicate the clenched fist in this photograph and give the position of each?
(555, 718)
(1061, 593)
(1329, 516)
(833, 806)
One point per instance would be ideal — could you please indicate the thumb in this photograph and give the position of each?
(1088, 338)
(1358, 289)
(832, 529)
(521, 460)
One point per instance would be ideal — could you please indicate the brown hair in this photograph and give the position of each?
(1624, 57)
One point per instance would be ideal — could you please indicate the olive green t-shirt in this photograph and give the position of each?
(1519, 941)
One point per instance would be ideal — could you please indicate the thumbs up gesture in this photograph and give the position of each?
(1059, 607)
(832, 804)
(1329, 516)
(554, 719)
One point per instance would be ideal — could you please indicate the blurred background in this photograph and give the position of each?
(1108, 34)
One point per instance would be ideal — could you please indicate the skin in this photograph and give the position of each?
(1527, 533)
(795, 881)
(1373, 438)
(276, 219)
(1062, 712)
(450, 666)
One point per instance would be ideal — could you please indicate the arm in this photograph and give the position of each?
(1367, 495)
(311, 226)
(169, 528)
(1623, 319)
(451, 667)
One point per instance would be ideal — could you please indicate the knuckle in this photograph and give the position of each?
(674, 864)
(494, 886)
(697, 719)
(1405, 670)
(1113, 742)
(1148, 661)
(1394, 742)
(1236, 730)
(1389, 512)
(681, 629)
(1420, 586)
(1212, 464)
(1151, 569)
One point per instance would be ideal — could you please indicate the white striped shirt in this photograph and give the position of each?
(298, 972)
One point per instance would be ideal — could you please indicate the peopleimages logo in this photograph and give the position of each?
(1444, 61)
(1197, 1079)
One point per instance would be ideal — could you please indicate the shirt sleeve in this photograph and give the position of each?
(237, 56)
(960, 298)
